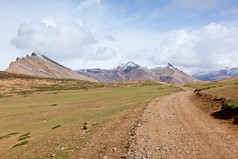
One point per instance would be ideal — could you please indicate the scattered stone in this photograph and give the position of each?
(52, 155)
(86, 126)
(57, 143)
(95, 123)
(124, 156)
(148, 154)
(105, 157)
(114, 149)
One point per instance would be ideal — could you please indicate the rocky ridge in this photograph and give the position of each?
(40, 65)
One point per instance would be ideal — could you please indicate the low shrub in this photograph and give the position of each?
(23, 138)
(26, 134)
(21, 143)
(4, 137)
(230, 105)
(57, 126)
(8, 135)
(14, 133)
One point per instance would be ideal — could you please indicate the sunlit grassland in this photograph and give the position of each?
(55, 121)
(226, 89)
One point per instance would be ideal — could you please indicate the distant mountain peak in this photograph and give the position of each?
(35, 54)
(129, 64)
(162, 66)
(217, 75)
(170, 65)
(39, 55)
(131, 71)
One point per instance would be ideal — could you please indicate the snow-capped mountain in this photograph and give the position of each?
(133, 72)
(129, 65)
(40, 65)
(217, 75)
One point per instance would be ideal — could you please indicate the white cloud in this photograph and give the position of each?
(211, 47)
(88, 3)
(62, 41)
(100, 53)
(49, 21)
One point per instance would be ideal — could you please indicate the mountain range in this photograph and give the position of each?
(40, 65)
(217, 75)
(134, 72)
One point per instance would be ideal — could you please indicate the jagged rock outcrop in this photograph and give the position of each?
(39, 65)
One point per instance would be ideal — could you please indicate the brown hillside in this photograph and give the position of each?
(39, 65)
(133, 72)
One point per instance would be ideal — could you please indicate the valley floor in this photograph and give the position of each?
(174, 127)
(46, 118)
(128, 120)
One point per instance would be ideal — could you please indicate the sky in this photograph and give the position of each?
(192, 35)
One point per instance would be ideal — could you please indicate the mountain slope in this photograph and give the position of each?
(125, 72)
(39, 65)
(133, 72)
(171, 74)
(217, 75)
(4, 74)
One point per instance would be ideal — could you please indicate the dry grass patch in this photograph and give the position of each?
(224, 88)
(96, 106)
(220, 98)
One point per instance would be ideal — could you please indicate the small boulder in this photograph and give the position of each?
(86, 126)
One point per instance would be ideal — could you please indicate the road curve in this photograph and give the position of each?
(173, 127)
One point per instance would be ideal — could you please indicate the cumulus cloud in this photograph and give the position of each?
(49, 21)
(211, 47)
(100, 53)
(61, 41)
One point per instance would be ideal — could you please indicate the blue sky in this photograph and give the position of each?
(193, 35)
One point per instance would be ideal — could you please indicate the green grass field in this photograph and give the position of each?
(226, 89)
(50, 124)
(221, 89)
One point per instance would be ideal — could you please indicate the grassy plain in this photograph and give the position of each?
(227, 89)
(43, 118)
(224, 88)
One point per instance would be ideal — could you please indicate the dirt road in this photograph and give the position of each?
(173, 127)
